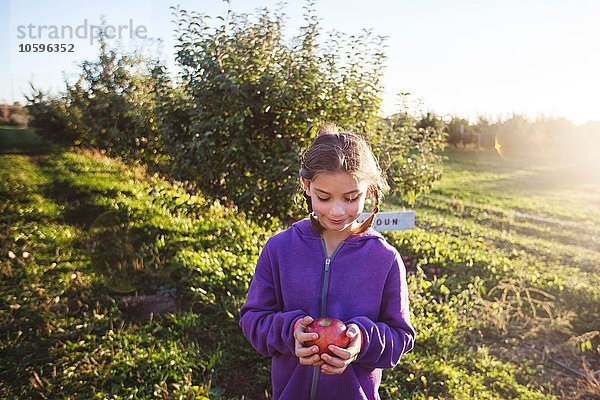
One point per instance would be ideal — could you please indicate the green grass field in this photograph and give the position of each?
(116, 285)
(567, 192)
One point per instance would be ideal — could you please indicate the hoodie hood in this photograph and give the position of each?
(305, 229)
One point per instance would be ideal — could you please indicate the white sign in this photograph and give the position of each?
(391, 221)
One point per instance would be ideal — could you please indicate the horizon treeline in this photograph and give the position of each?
(555, 139)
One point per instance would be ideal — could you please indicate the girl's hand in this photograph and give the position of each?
(306, 355)
(337, 365)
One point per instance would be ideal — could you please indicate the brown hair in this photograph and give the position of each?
(335, 151)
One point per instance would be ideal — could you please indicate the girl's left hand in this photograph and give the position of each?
(338, 364)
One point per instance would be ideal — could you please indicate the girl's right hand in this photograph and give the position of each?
(306, 355)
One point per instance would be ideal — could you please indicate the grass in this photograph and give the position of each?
(78, 232)
(537, 232)
(566, 192)
(495, 296)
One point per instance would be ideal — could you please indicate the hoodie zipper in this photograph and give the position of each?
(323, 309)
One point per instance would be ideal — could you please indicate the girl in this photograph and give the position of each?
(331, 266)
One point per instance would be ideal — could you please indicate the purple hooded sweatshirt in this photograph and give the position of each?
(363, 282)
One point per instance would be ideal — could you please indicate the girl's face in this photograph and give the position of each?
(337, 199)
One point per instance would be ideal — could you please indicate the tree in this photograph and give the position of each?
(256, 98)
(110, 107)
(408, 149)
(236, 120)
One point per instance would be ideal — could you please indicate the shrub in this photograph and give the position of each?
(408, 150)
(242, 110)
(110, 107)
(255, 98)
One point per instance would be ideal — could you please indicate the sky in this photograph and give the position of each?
(455, 57)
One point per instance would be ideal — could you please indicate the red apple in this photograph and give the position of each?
(330, 331)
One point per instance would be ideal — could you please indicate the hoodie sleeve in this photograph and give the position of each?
(385, 341)
(267, 327)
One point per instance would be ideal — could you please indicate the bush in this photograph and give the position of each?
(243, 110)
(110, 107)
(408, 150)
(256, 97)
(53, 118)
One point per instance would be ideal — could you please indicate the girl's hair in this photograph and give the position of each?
(335, 151)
